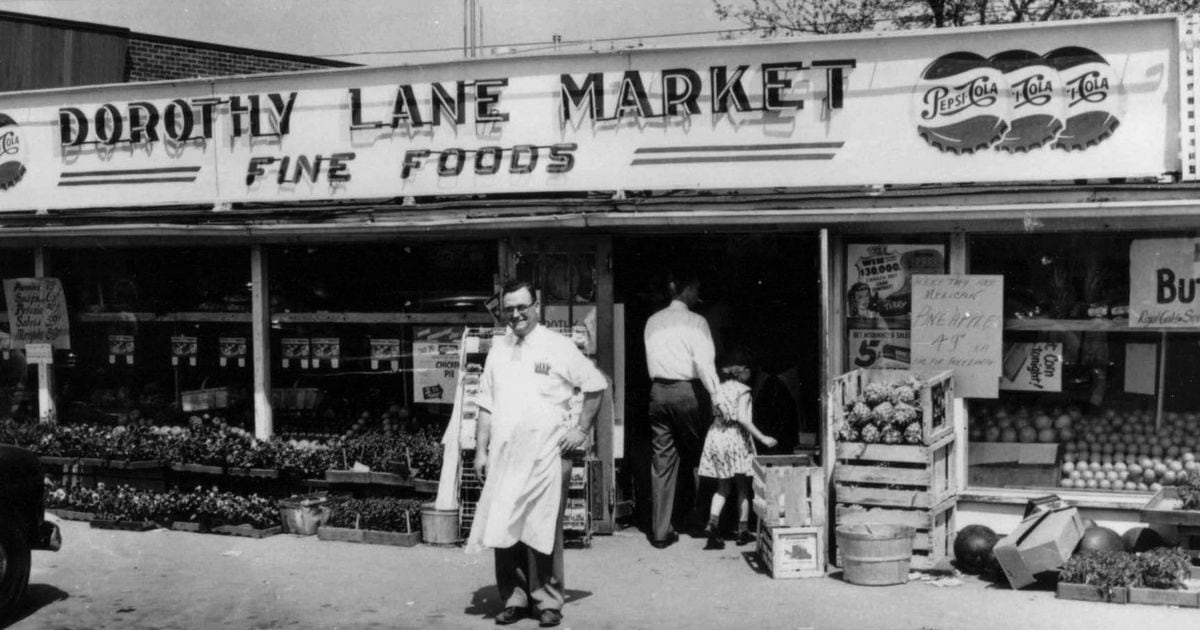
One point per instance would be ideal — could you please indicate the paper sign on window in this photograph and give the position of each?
(1031, 367)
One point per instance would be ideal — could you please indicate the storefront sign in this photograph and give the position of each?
(435, 365)
(1032, 367)
(1048, 102)
(37, 312)
(1163, 274)
(233, 348)
(184, 348)
(956, 325)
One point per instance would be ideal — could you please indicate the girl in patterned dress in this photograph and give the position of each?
(728, 450)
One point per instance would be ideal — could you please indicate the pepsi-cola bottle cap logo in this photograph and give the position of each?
(1017, 101)
(12, 168)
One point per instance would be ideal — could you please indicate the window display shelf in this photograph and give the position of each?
(295, 318)
(1084, 325)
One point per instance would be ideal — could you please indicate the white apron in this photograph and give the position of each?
(521, 494)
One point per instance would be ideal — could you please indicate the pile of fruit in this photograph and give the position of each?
(885, 413)
(1110, 449)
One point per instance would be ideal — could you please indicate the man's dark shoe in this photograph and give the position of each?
(672, 538)
(550, 618)
(512, 614)
(714, 542)
(744, 537)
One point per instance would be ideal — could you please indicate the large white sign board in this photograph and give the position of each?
(1058, 101)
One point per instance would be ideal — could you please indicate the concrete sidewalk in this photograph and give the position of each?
(167, 580)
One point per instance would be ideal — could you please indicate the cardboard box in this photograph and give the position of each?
(1042, 542)
(1012, 464)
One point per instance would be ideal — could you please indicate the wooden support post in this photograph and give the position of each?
(959, 265)
(47, 409)
(260, 315)
(605, 357)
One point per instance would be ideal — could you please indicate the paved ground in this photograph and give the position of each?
(175, 580)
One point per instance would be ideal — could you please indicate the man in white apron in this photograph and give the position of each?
(524, 431)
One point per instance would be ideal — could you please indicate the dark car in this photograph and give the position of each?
(22, 526)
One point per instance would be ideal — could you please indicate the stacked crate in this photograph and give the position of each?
(789, 501)
(903, 484)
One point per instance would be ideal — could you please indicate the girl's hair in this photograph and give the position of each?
(737, 356)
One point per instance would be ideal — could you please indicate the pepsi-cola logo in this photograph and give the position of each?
(12, 169)
(1017, 101)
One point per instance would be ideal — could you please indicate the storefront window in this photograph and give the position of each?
(147, 331)
(1088, 400)
(18, 383)
(365, 337)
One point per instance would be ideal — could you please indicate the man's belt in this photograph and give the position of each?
(672, 381)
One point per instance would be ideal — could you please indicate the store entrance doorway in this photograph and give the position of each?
(760, 293)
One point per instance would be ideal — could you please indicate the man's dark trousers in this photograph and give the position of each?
(678, 423)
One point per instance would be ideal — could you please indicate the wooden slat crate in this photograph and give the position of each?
(789, 490)
(935, 527)
(935, 399)
(792, 552)
(896, 475)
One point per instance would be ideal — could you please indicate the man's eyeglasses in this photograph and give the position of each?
(519, 309)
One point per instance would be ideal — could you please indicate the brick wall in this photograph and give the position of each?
(153, 58)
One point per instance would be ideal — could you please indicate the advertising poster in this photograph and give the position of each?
(37, 312)
(435, 365)
(327, 349)
(957, 322)
(879, 299)
(295, 349)
(1162, 283)
(1032, 367)
(385, 351)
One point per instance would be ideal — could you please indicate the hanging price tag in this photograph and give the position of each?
(184, 349)
(233, 348)
(295, 349)
(326, 349)
(385, 350)
(120, 346)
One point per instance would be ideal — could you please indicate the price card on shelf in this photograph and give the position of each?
(326, 349)
(184, 348)
(385, 350)
(233, 349)
(39, 353)
(120, 346)
(957, 324)
(295, 349)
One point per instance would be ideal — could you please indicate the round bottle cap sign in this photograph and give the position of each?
(12, 145)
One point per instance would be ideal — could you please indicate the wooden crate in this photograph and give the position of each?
(934, 540)
(792, 552)
(935, 399)
(896, 475)
(789, 491)
(1089, 593)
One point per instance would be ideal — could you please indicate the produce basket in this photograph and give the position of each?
(303, 514)
(932, 403)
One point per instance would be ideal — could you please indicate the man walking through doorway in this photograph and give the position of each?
(680, 359)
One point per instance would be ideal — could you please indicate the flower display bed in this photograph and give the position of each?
(369, 536)
(190, 526)
(72, 515)
(132, 526)
(247, 531)
(1159, 577)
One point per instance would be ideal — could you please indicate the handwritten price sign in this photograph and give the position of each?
(37, 312)
(957, 324)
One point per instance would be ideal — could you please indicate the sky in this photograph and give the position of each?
(360, 31)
